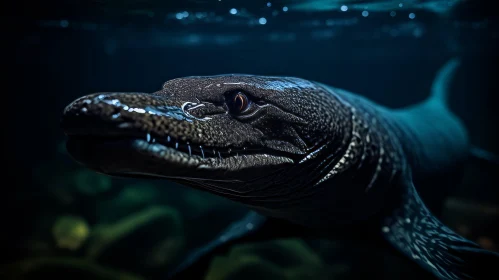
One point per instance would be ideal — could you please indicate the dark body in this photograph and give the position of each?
(308, 159)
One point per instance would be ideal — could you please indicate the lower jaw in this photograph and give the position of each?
(129, 156)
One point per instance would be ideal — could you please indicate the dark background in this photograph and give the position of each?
(47, 65)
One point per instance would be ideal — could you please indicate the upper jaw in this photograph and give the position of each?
(109, 113)
(130, 115)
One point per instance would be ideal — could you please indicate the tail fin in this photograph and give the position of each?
(441, 84)
(439, 95)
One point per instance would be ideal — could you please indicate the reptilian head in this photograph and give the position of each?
(228, 134)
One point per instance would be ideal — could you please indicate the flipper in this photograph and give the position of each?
(252, 227)
(415, 231)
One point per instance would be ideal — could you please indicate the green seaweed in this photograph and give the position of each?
(90, 183)
(70, 232)
(244, 267)
(57, 267)
(287, 259)
(131, 199)
(108, 234)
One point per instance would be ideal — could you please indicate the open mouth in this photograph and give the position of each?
(162, 146)
(122, 155)
(95, 131)
(166, 157)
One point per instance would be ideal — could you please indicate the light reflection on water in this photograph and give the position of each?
(272, 22)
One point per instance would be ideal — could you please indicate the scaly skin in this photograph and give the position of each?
(285, 147)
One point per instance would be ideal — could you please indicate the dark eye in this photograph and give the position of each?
(238, 103)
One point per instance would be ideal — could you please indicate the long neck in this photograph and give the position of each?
(413, 230)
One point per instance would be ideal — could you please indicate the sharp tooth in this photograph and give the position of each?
(214, 153)
(219, 155)
(202, 152)
(168, 138)
(229, 151)
(148, 137)
(189, 147)
(176, 145)
(154, 140)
